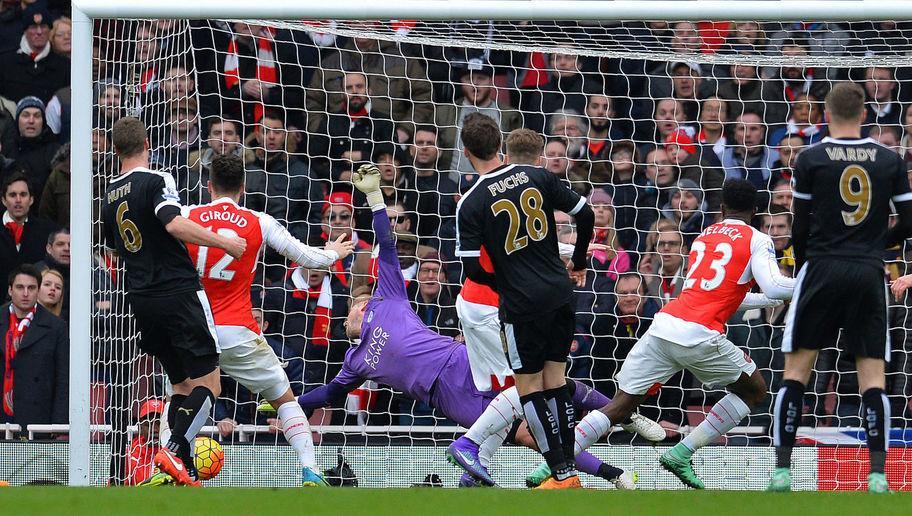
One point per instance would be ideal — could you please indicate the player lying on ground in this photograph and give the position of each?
(689, 332)
(843, 190)
(393, 347)
(245, 355)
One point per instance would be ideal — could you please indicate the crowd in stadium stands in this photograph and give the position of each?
(648, 142)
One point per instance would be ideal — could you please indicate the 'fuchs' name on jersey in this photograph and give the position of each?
(732, 232)
(855, 154)
(508, 183)
(231, 217)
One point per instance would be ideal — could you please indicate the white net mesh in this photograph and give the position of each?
(631, 111)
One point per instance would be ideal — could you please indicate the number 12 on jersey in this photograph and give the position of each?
(714, 273)
(219, 270)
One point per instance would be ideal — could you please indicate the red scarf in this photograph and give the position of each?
(361, 113)
(319, 335)
(14, 336)
(265, 71)
(536, 75)
(16, 230)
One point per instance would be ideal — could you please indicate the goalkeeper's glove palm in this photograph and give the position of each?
(367, 180)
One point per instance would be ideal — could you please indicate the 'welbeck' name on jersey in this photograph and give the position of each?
(223, 216)
(507, 183)
(730, 231)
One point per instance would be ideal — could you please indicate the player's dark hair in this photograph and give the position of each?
(481, 136)
(15, 177)
(27, 269)
(227, 174)
(57, 232)
(739, 196)
(845, 102)
(524, 146)
(129, 137)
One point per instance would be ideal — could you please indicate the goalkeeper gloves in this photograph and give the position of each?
(367, 180)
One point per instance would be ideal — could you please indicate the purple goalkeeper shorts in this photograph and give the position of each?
(455, 394)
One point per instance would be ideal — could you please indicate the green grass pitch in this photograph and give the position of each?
(433, 502)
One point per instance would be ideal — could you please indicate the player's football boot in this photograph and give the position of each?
(158, 479)
(541, 473)
(781, 480)
(644, 427)
(168, 462)
(467, 480)
(627, 481)
(463, 453)
(567, 483)
(265, 408)
(310, 478)
(877, 483)
(682, 468)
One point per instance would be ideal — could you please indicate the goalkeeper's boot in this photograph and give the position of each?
(310, 478)
(168, 462)
(537, 477)
(877, 483)
(681, 467)
(467, 480)
(644, 427)
(781, 481)
(463, 453)
(627, 481)
(567, 483)
(265, 408)
(158, 479)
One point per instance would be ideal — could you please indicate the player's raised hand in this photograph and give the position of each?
(367, 178)
(340, 246)
(236, 247)
(900, 286)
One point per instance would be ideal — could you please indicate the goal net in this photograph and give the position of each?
(645, 118)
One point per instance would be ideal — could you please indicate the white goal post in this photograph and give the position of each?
(85, 12)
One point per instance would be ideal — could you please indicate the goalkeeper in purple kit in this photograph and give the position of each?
(392, 346)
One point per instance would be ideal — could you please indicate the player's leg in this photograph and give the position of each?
(787, 413)
(481, 329)
(876, 412)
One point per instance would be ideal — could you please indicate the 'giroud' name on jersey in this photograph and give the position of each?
(508, 183)
(729, 231)
(223, 216)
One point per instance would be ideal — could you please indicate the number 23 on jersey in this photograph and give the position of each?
(708, 267)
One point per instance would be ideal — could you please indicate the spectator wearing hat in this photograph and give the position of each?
(479, 95)
(280, 184)
(32, 69)
(699, 164)
(687, 209)
(431, 299)
(37, 145)
(356, 126)
(139, 465)
(36, 355)
(615, 260)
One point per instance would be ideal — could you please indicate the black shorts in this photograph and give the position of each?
(831, 295)
(179, 331)
(546, 338)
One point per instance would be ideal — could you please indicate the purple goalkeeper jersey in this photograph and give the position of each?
(396, 348)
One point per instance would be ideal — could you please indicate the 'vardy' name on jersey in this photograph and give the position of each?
(852, 154)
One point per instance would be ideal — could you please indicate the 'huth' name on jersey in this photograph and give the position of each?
(119, 192)
(851, 154)
(508, 183)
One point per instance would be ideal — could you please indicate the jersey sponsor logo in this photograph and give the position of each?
(508, 183)
(851, 154)
(231, 217)
(375, 346)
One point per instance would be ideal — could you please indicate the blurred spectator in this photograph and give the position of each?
(615, 260)
(699, 164)
(55, 201)
(110, 108)
(782, 194)
(58, 114)
(747, 92)
(140, 465)
(183, 134)
(476, 83)
(25, 237)
(881, 106)
(712, 120)
(602, 131)
(793, 79)
(818, 38)
(886, 135)
(662, 174)
(788, 146)
(668, 117)
(631, 195)
(747, 34)
(685, 83)
(436, 204)
(686, 209)
(36, 356)
(399, 86)
(778, 225)
(280, 184)
(58, 259)
(223, 137)
(62, 36)
(32, 69)
(567, 124)
(747, 156)
(566, 89)
(906, 140)
(556, 160)
(664, 268)
(51, 293)
(36, 144)
(805, 120)
(431, 300)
